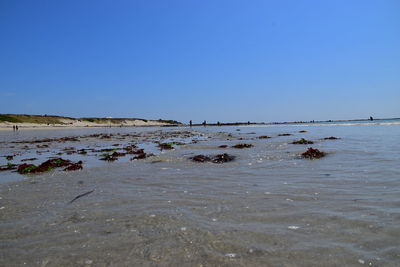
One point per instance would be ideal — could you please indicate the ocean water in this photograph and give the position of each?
(268, 207)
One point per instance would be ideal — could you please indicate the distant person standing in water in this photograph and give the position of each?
(371, 119)
(190, 123)
(204, 123)
(16, 127)
(13, 127)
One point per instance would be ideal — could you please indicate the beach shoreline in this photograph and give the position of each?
(4, 126)
(30, 122)
(49, 122)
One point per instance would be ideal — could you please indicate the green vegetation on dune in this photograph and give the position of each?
(95, 120)
(110, 120)
(31, 119)
(9, 118)
(50, 119)
(169, 121)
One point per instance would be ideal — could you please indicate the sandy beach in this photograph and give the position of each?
(70, 124)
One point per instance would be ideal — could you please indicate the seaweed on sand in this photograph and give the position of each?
(141, 155)
(330, 138)
(9, 166)
(263, 137)
(165, 146)
(312, 153)
(220, 158)
(200, 158)
(240, 146)
(48, 166)
(302, 141)
(74, 166)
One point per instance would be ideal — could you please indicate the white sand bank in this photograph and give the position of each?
(78, 124)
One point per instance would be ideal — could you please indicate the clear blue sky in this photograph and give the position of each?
(211, 60)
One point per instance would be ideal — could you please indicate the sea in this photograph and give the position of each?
(268, 207)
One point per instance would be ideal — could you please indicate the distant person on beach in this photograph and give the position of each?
(371, 119)
(16, 127)
(204, 123)
(190, 123)
(13, 127)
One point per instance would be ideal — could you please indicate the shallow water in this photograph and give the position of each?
(269, 207)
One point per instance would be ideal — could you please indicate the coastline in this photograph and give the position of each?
(45, 122)
(29, 122)
(4, 126)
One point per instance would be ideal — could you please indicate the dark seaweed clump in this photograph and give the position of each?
(201, 158)
(140, 154)
(130, 148)
(240, 146)
(29, 159)
(74, 166)
(112, 157)
(302, 141)
(82, 151)
(284, 134)
(330, 138)
(220, 158)
(8, 167)
(48, 166)
(263, 137)
(312, 153)
(165, 146)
